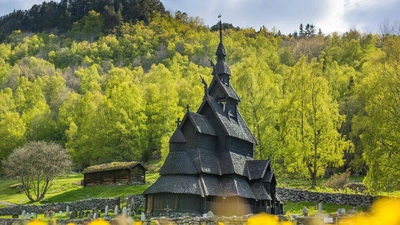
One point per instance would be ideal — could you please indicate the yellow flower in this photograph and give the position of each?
(137, 222)
(36, 222)
(71, 224)
(263, 218)
(99, 222)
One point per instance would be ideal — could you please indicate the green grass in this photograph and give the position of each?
(67, 188)
(97, 192)
(297, 207)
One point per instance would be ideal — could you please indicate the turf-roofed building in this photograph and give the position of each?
(210, 165)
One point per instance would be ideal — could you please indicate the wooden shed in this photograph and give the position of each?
(122, 173)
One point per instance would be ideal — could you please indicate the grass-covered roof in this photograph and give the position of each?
(111, 166)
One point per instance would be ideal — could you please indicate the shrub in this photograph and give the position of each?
(338, 181)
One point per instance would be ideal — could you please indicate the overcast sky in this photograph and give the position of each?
(284, 15)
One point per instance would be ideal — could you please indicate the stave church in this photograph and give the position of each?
(210, 165)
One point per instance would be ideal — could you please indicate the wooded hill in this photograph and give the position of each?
(112, 92)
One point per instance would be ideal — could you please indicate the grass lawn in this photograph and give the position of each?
(297, 207)
(67, 188)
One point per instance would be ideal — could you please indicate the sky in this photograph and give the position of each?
(284, 15)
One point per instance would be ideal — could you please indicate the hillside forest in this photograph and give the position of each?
(109, 86)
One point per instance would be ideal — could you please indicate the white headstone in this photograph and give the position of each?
(106, 211)
(320, 207)
(27, 215)
(124, 211)
(143, 217)
(23, 214)
(60, 214)
(67, 211)
(116, 210)
(328, 220)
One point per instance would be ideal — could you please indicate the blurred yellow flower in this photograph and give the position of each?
(36, 222)
(267, 219)
(137, 222)
(385, 211)
(71, 224)
(99, 222)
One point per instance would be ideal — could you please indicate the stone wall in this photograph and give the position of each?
(135, 202)
(234, 220)
(297, 195)
(95, 203)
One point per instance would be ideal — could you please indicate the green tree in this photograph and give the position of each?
(12, 127)
(259, 90)
(309, 122)
(378, 123)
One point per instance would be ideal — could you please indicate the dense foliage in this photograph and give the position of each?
(313, 101)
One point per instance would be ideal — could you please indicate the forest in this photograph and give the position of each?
(108, 82)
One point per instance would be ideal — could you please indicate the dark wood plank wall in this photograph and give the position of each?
(136, 175)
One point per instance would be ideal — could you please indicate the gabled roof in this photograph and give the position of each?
(236, 186)
(178, 184)
(177, 162)
(257, 168)
(233, 128)
(201, 123)
(205, 161)
(268, 177)
(259, 191)
(227, 88)
(112, 166)
(211, 185)
(178, 137)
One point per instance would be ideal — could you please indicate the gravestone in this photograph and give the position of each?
(143, 217)
(27, 216)
(341, 211)
(305, 211)
(89, 216)
(320, 207)
(52, 214)
(106, 211)
(95, 215)
(60, 214)
(80, 214)
(73, 215)
(23, 214)
(67, 213)
(124, 211)
(116, 210)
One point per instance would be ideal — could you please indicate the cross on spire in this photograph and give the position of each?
(178, 122)
(187, 108)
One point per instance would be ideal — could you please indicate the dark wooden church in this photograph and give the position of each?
(210, 165)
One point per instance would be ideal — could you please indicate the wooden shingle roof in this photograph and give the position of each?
(112, 166)
(177, 162)
(178, 184)
(202, 124)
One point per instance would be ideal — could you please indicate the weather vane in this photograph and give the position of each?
(219, 16)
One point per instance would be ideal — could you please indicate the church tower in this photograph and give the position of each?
(210, 165)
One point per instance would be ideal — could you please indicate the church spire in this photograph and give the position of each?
(221, 68)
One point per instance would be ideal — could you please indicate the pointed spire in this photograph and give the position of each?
(221, 68)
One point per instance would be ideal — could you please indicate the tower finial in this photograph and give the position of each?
(220, 28)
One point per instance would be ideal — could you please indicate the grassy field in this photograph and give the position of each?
(67, 188)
